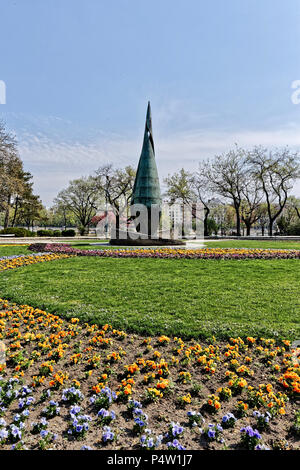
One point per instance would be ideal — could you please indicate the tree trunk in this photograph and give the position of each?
(15, 212)
(206, 213)
(271, 228)
(6, 218)
(183, 220)
(238, 221)
(117, 226)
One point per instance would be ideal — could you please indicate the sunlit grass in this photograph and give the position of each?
(180, 297)
(277, 244)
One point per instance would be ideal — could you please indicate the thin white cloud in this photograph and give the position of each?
(54, 156)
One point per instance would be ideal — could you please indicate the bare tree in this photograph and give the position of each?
(263, 217)
(252, 197)
(200, 185)
(81, 198)
(276, 171)
(116, 186)
(226, 177)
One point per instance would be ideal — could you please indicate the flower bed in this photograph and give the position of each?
(67, 385)
(17, 261)
(171, 253)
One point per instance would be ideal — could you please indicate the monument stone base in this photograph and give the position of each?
(145, 242)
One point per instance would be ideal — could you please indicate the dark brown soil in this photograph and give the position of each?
(50, 332)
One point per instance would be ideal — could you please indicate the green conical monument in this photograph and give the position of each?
(146, 192)
(146, 189)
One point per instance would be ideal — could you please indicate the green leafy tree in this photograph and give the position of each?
(15, 183)
(62, 216)
(30, 210)
(180, 188)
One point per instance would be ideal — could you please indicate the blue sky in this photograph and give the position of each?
(79, 75)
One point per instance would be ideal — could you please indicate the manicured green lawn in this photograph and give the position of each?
(89, 245)
(13, 250)
(6, 250)
(277, 244)
(189, 298)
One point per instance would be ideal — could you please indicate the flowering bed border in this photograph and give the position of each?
(170, 253)
(17, 261)
(72, 385)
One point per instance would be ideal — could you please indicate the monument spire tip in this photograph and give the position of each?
(149, 110)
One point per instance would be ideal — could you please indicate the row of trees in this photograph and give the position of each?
(107, 187)
(253, 186)
(256, 183)
(77, 205)
(18, 204)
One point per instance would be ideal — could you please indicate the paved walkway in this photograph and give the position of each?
(190, 245)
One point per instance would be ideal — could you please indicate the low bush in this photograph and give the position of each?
(17, 231)
(68, 233)
(293, 230)
(45, 233)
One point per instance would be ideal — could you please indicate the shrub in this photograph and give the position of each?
(68, 233)
(293, 229)
(17, 231)
(82, 230)
(44, 233)
(57, 233)
(286, 228)
(212, 227)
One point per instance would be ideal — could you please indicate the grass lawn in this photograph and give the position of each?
(277, 244)
(13, 250)
(280, 244)
(6, 250)
(189, 298)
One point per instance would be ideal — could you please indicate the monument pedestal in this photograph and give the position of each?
(145, 242)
